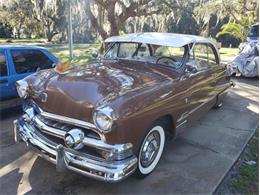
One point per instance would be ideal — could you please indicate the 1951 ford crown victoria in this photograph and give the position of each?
(110, 118)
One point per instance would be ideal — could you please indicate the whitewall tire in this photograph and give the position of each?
(151, 150)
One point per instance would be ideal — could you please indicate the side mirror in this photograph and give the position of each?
(94, 54)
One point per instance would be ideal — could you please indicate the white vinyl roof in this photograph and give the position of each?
(155, 38)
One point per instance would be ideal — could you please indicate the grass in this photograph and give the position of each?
(247, 180)
(82, 52)
(228, 54)
(8, 41)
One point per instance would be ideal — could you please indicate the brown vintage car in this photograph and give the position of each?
(110, 118)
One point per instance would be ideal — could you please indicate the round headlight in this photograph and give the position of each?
(22, 88)
(103, 118)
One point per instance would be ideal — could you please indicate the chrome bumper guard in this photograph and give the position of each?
(69, 159)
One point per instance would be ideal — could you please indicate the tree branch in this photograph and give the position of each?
(94, 21)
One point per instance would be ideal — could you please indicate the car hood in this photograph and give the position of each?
(76, 92)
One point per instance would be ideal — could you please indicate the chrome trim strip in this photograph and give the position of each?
(181, 124)
(187, 114)
(183, 116)
(199, 106)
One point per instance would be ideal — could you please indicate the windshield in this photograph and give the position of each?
(155, 54)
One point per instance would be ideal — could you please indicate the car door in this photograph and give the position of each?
(26, 62)
(4, 76)
(201, 79)
(221, 77)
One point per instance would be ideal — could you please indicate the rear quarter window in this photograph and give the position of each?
(200, 57)
(204, 57)
(212, 56)
(26, 61)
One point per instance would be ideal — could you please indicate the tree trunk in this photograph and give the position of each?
(94, 21)
(20, 27)
(29, 35)
(112, 19)
(49, 37)
(18, 34)
(257, 13)
(114, 30)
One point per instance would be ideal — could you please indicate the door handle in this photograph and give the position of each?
(3, 81)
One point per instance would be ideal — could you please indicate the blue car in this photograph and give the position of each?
(17, 62)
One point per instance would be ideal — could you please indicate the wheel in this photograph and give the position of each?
(151, 150)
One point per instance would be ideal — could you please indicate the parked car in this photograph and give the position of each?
(110, 118)
(17, 62)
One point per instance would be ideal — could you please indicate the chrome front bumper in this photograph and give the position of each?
(69, 159)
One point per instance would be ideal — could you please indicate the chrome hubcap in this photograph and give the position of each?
(150, 149)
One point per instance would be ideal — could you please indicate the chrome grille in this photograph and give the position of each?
(55, 124)
(55, 131)
(66, 127)
(54, 127)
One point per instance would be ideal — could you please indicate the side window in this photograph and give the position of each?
(127, 50)
(213, 60)
(3, 65)
(26, 61)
